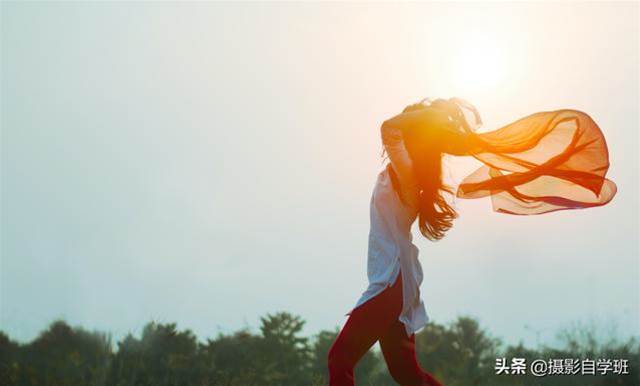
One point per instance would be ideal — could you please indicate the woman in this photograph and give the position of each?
(544, 162)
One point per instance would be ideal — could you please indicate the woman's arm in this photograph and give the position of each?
(414, 123)
(432, 127)
(393, 142)
(425, 119)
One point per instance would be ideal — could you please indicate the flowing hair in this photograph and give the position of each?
(435, 214)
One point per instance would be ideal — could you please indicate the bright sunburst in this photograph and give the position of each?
(479, 66)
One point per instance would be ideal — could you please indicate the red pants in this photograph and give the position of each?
(377, 319)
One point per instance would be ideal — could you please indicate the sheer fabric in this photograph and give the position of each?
(544, 162)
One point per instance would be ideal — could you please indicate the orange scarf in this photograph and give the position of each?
(547, 161)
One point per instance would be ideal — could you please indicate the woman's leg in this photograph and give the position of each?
(365, 326)
(400, 354)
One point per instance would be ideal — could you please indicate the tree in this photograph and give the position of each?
(289, 352)
(9, 360)
(462, 354)
(65, 356)
(163, 356)
(235, 360)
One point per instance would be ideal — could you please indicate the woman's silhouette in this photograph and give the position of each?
(544, 162)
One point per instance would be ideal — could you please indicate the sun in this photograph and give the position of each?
(479, 65)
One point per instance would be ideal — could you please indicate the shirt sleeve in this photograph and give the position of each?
(393, 143)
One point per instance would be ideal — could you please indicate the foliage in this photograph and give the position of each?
(460, 354)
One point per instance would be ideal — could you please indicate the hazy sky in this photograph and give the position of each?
(208, 163)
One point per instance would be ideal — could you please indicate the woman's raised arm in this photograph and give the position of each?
(424, 119)
(432, 128)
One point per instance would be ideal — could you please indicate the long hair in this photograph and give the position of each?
(435, 215)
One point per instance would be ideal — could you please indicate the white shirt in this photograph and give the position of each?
(391, 249)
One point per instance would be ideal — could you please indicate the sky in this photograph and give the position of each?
(209, 163)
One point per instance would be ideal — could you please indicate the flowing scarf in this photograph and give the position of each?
(544, 162)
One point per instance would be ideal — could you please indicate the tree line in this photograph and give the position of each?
(460, 353)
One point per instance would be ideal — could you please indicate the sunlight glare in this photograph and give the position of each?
(479, 66)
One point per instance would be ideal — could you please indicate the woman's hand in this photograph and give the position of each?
(415, 106)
